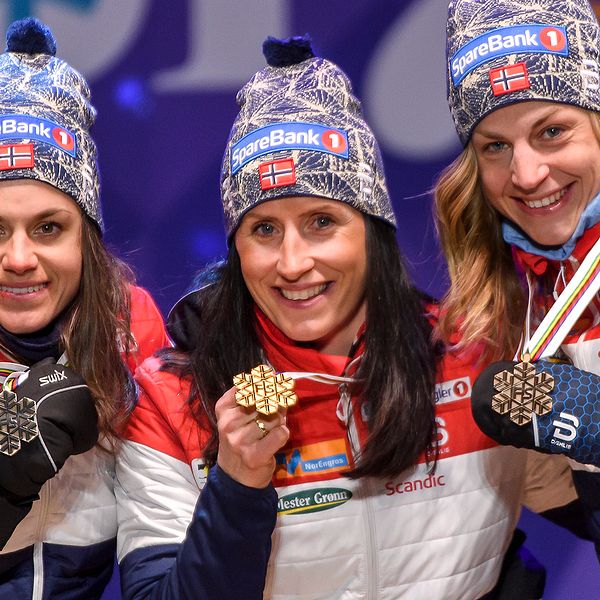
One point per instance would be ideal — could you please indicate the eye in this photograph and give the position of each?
(264, 229)
(552, 132)
(48, 228)
(494, 147)
(322, 221)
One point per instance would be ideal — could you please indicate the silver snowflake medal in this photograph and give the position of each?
(17, 422)
(522, 391)
(264, 389)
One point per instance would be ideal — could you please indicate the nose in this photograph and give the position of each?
(529, 167)
(18, 254)
(295, 256)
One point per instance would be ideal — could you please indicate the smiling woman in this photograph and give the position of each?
(519, 218)
(376, 483)
(72, 329)
(304, 262)
(40, 254)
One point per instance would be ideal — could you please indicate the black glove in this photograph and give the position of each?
(66, 424)
(570, 427)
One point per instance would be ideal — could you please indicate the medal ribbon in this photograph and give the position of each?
(564, 313)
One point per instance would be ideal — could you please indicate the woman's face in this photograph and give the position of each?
(40, 254)
(539, 164)
(304, 262)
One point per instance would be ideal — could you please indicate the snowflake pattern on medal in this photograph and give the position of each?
(17, 422)
(522, 392)
(265, 390)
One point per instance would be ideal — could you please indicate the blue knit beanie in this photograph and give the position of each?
(45, 118)
(504, 51)
(301, 132)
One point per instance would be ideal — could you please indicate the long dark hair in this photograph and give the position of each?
(397, 369)
(97, 330)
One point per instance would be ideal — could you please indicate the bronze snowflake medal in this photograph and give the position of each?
(521, 392)
(17, 422)
(264, 390)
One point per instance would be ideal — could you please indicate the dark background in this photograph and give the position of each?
(164, 74)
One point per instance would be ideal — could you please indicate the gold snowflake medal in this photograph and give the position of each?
(522, 392)
(264, 390)
(18, 421)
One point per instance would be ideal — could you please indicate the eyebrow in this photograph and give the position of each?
(46, 214)
(550, 114)
(314, 209)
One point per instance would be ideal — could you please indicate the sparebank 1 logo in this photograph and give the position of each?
(92, 35)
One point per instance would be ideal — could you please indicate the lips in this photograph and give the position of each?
(305, 294)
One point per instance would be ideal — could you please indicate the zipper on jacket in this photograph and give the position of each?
(38, 547)
(365, 492)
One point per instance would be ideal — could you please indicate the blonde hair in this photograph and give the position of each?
(486, 302)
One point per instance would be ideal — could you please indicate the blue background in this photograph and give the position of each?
(164, 75)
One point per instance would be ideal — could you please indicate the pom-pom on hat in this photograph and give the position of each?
(301, 132)
(504, 51)
(45, 118)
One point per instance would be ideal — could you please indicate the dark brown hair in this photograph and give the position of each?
(97, 330)
(397, 369)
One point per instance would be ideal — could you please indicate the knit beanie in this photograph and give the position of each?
(301, 132)
(504, 51)
(45, 118)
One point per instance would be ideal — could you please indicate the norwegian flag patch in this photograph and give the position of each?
(277, 173)
(16, 156)
(509, 78)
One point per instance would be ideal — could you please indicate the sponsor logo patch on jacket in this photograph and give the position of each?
(308, 501)
(455, 389)
(320, 458)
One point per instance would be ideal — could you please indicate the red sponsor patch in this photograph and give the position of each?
(63, 138)
(509, 78)
(16, 156)
(277, 173)
(553, 39)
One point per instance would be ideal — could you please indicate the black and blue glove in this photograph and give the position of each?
(567, 419)
(48, 417)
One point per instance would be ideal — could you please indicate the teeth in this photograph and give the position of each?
(22, 290)
(547, 201)
(304, 294)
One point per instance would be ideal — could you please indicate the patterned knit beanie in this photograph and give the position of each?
(45, 117)
(301, 132)
(504, 51)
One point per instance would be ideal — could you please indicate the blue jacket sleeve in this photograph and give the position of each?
(224, 554)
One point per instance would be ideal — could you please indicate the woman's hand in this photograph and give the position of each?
(248, 441)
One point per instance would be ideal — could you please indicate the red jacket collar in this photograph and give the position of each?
(539, 265)
(287, 355)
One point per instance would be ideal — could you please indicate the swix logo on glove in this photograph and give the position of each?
(53, 378)
(288, 136)
(33, 128)
(531, 39)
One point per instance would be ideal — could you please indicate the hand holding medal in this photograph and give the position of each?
(547, 406)
(247, 443)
